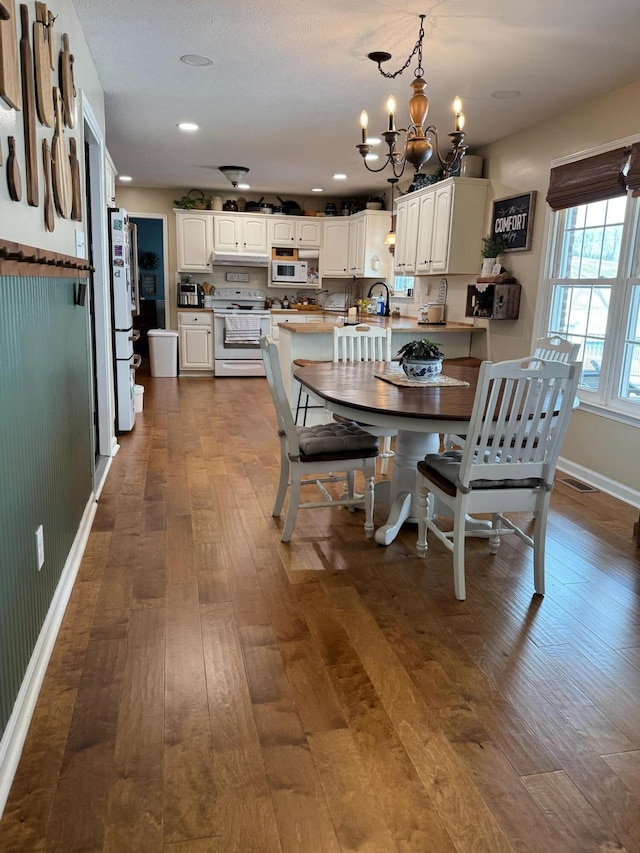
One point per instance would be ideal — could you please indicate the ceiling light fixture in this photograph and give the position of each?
(187, 126)
(418, 147)
(125, 178)
(234, 174)
(196, 59)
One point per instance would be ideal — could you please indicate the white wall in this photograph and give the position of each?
(20, 222)
(519, 163)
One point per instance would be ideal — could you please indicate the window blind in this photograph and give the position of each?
(633, 175)
(595, 178)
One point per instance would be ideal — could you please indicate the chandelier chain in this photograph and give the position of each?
(419, 72)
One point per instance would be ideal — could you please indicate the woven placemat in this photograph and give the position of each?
(399, 377)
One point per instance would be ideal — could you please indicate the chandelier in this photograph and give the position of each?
(418, 146)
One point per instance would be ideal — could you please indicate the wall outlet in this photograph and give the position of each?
(40, 546)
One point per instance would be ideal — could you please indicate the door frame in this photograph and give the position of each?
(105, 404)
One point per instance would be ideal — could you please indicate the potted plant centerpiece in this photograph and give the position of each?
(491, 248)
(421, 360)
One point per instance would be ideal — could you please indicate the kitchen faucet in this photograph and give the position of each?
(386, 302)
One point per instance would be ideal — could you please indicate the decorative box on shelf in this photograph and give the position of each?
(494, 298)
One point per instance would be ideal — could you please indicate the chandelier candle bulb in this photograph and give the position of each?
(364, 123)
(391, 108)
(459, 115)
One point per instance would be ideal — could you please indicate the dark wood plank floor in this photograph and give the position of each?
(212, 689)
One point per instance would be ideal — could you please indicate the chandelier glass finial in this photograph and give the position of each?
(420, 141)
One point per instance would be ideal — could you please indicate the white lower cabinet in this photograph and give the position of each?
(195, 329)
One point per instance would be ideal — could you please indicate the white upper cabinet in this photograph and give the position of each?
(355, 245)
(443, 224)
(407, 216)
(335, 256)
(241, 233)
(194, 239)
(303, 232)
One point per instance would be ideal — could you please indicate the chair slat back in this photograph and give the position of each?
(520, 415)
(361, 343)
(273, 372)
(556, 348)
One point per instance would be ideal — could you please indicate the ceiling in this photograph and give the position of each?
(288, 80)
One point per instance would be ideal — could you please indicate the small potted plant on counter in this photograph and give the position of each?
(421, 360)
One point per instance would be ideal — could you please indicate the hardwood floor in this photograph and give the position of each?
(212, 689)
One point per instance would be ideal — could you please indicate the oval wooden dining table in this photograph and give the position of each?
(356, 391)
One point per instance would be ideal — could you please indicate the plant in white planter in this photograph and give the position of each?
(491, 248)
(421, 359)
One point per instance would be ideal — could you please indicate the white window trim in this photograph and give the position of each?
(613, 409)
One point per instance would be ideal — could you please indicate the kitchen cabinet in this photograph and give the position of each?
(304, 232)
(195, 330)
(407, 217)
(447, 237)
(241, 232)
(335, 254)
(295, 316)
(354, 246)
(194, 241)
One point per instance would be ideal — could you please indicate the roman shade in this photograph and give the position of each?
(595, 178)
(633, 175)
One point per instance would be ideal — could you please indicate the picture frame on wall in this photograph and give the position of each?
(512, 220)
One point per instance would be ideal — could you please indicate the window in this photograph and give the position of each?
(403, 285)
(593, 297)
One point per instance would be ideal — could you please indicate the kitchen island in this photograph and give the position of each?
(313, 340)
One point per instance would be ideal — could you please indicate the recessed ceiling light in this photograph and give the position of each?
(125, 178)
(244, 186)
(317, 190)
(506, 94)
(188, 126)
(194, 59)
(373, 140)
(339, 176)
(371, 156)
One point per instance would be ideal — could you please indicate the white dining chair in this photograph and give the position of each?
(366, 343)
(520, 416)
(317, 455)
(552, 348)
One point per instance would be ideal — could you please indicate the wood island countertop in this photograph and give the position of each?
(396, 324)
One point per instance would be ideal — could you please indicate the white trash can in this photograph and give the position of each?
(139, 401)
(163, 352)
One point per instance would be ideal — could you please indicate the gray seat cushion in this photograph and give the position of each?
(335, 441)
(443, 468)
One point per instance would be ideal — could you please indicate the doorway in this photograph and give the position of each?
(152, 265)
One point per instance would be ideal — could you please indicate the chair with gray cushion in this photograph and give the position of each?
(552, 348)
(520, 416)
(317, 450)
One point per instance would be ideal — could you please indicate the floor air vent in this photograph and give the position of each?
(576, 484)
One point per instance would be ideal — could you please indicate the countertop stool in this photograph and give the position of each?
(306, 405)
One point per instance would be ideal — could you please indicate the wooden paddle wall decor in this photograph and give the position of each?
(28, 112)
(9, 73)
(27, 84)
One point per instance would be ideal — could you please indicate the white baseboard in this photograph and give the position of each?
(16, 731)
(604, 484)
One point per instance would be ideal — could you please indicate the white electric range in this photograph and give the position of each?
(239, 320)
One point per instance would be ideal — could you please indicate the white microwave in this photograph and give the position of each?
(294, 272)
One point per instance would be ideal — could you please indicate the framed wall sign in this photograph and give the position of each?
(512, 219)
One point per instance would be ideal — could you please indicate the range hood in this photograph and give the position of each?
(233, 259)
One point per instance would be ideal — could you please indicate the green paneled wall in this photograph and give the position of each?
(46, 456)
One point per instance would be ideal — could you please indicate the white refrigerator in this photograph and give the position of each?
(125, 304)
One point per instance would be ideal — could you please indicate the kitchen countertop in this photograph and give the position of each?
(397, 324)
